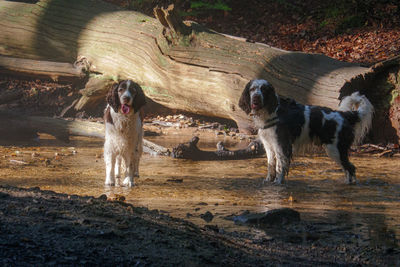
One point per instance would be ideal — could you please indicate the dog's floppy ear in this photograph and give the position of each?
(270, 98)
(140, 98)
(244, 101)
(112, 97)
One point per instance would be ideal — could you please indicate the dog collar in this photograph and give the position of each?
(271, 122)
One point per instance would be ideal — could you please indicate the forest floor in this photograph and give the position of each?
(40, 227)
(365, 32)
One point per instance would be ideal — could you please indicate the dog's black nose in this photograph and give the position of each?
(126, 98)
(256, 100)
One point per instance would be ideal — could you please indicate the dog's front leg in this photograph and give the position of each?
(282, 166)
(118, 167)
(109, 159)
(136, 157)
(129, 164)
(271, 164)
(281, 171)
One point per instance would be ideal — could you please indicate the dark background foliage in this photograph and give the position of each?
(364, 31)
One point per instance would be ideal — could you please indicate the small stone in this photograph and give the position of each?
(208, 216)
(119, 198)
(212, 227)
(271, 217)
(215, 125)
(103, 197)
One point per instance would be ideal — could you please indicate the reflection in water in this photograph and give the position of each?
(186, 189)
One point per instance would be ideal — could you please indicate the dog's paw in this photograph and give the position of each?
(280, 179)
(128, 182)
(109, 183)
(269, 178)
(277, 182)
(265, 181)
(351, 181)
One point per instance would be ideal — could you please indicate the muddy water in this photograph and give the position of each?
(187, 189)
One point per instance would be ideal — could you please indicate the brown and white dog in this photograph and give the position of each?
(284, 124)
(123, 131)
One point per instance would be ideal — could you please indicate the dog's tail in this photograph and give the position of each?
(365, 111)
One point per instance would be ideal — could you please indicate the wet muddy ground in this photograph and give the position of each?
(340, 224)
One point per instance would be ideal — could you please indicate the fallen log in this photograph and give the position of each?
(56, 71)
(190, 150)
(8, 97)
(27, 127)
(181, 65)
(18, 127)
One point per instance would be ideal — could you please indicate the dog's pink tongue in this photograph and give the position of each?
(125, 109)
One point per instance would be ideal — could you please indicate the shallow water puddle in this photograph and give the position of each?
(188, 189)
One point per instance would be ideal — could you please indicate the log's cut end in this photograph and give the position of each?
(381, 85)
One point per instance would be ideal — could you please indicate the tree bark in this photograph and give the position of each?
(8, 97)
(183, 66)
(57, 71)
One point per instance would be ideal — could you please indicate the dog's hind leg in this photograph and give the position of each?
(341, 157)
(349, 169)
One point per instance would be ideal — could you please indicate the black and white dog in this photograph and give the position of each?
(124, 131)
(284, 124)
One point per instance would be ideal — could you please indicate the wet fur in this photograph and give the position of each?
(123, 132)
(284, 124)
